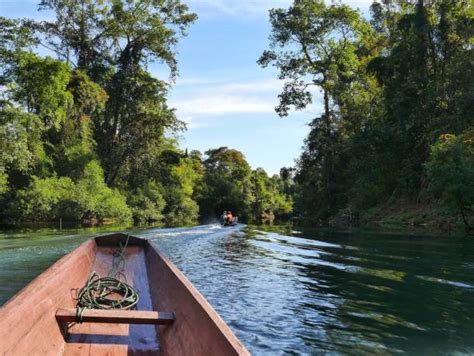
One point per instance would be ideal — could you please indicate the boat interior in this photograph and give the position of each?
(171, 317)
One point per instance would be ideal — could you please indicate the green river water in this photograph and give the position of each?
(286, 291)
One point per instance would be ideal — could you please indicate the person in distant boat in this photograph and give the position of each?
(223, 217)
(229, 217)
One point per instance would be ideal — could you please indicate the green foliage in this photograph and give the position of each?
(75, 145)
(69, 136)
(390, 87)
(76, 141)
(113, 41)
(20, 140)
(147, 204)
(42, 200)
(134, 122)
(96, 199)
(48, 199)
(450, 172)
(45, 130)
(89, 97)
(37, 90)
(261, 193)
(327, 47)
(313, 44)
(50, 100)
(181, 208)
(164, 186)
(3, 180)
(15, 36)
(283, 206)
(268, 199)
(125, 32)
(226, 183)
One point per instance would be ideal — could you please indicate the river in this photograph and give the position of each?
(285, 291)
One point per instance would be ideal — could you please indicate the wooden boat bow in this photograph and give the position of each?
(172, 317)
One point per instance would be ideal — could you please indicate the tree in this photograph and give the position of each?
(74, 144)
(51, 198)
(390, 87)
(94, 118)
(450, 172)
(51, 100)
(113, 41)
(262, 196)
(20, 143)
(318, 46)
(147, 203)
(269, 199)
(35, 104)
(313, 45)
(226, 184)
(427, 44)
(181, 207)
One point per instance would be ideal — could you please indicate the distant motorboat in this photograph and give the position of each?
(226, 223)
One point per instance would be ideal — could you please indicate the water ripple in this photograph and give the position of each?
(300, 292)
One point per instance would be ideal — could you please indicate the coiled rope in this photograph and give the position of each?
(107, 292)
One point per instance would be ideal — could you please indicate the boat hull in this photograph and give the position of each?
(196, 330)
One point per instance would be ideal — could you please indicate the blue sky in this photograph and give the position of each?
(222, 94)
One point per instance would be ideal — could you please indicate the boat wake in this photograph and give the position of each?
(201, 230)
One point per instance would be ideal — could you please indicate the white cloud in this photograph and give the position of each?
(192, 123)
(200, 97)
(204, 103)
(222, 104)
(260, 86)
(231, 86)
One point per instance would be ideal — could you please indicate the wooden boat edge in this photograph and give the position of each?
(48, 271)
(33, 291)
(88, 248)
(202, 301)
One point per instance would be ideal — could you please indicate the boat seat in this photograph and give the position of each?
(116, 316)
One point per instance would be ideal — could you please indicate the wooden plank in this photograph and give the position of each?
(116, 316)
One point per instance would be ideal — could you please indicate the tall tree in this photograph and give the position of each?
(226, 183)
(269, 199)
(98, 101)
(450, 171)
(318, 46)
(114, 41)
(390, 88)
(427, 44)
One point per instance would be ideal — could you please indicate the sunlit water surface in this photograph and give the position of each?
(296, 292)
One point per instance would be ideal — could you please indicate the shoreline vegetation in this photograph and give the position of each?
(86, 133)
(280, 227)
(88, 136)
(394, 143)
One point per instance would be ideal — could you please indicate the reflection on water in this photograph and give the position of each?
(300, 292)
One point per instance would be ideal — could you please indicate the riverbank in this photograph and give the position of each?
(400, 219)
(406, 217)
